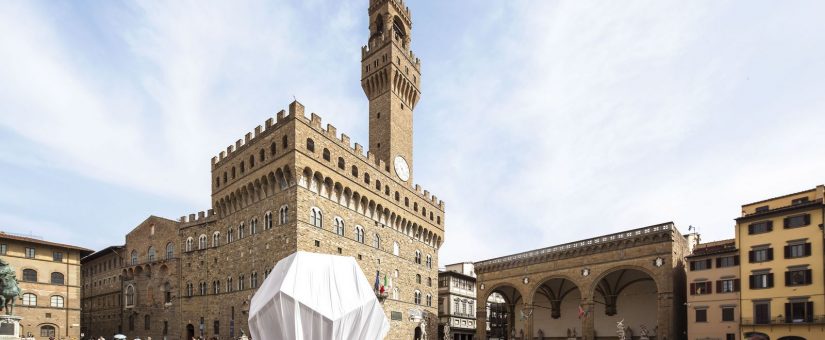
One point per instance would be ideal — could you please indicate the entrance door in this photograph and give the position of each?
(190, 332)
(417, 335)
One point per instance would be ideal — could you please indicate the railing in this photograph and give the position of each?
(780, 320)
(577, 244)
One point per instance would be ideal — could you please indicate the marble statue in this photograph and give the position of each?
(423, 326)
(644, 334)
(620, 331)
(447, 335)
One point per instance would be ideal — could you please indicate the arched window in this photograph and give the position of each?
(216, 287)
(367, 178)
(272, 149)
(397, 196)
(151, 254)
(57, 278)
(417, 297)
(310, 145)
(283, 214)
(268, 220)
(241, 231)
(147, 322)
(415, 206)
(253, 280)
(387, 190)
(243, 167)
(216, 238)
(354, 171)
(261, 156)
(376, 241)
(339, 226)
(230, 235)
(395, 249)
(241, 283)
(56, 301)
(189, 243)
(170, 250)
(429, 300)
(29, 299)
(253, 224)
(418, 278)
(190, 289)
(359, 234)
(377, 185)
(202, 242)
(429, 282)
(47, 331)
(251, 161)
(341, 164)
(326, 154)
(285, 142)
(455, 306)
(316, 217)
(395, 293)
(229, 286)
(202, 287)
(130, 295)
(429, 262)
(167, 293)
(134, 257)
(406, 201)
(233, 172)
(218, 182)
(417, 256)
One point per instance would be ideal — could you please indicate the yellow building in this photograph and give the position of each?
(713, 291)
(49, 276)
(781, 242)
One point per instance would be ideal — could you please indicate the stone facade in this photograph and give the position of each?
(457, 301)
(293, 185)
(587, 286)
(49, 278)
(101, 294)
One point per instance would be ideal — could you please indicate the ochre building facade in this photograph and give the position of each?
(49, 279)
(296, 185)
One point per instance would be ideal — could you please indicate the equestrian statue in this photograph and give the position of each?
(9, 290)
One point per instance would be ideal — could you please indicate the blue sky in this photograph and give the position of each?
(541, 122)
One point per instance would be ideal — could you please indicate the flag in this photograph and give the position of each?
(384, 286)
(376, 280)
(581, 312)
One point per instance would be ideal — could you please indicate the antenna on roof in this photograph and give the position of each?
(293, 98)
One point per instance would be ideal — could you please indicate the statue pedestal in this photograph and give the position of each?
(10, 327)
(644, 338)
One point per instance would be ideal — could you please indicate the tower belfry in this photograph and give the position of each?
(391, 77)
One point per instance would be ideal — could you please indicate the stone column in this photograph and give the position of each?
(481, 318)
(588, 326)
(528, 333)
(665, 318)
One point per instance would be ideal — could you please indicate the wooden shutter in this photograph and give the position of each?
(787, 222)
(770, 225)
(787, 250)
(808, 276)
(770, 280)
(718, 262)
(788, 316)
(751, 281)
(718, 286)
(736, 285)
(807, 219)
(770, 254)
(692, 265)
(787, 278)
(750, 229)
(709, 263)
(736, 260)
(809, 311)
(750, 256)
(692, 289)
(807, 249)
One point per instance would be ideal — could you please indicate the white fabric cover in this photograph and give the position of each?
(316, 296)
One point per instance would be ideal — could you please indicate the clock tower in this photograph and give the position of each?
(390, 77)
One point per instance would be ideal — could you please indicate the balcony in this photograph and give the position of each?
(781, 321)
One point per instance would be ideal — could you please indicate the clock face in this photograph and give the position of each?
(401, 168)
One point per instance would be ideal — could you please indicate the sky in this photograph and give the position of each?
(540, 122)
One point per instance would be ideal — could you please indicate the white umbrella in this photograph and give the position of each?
(316, 296)
(119, 336)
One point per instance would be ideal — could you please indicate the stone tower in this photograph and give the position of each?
(390, 77)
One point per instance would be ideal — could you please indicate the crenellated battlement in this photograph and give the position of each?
(269, 125)
(379, 41)
(199, 218)
(316, 123)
